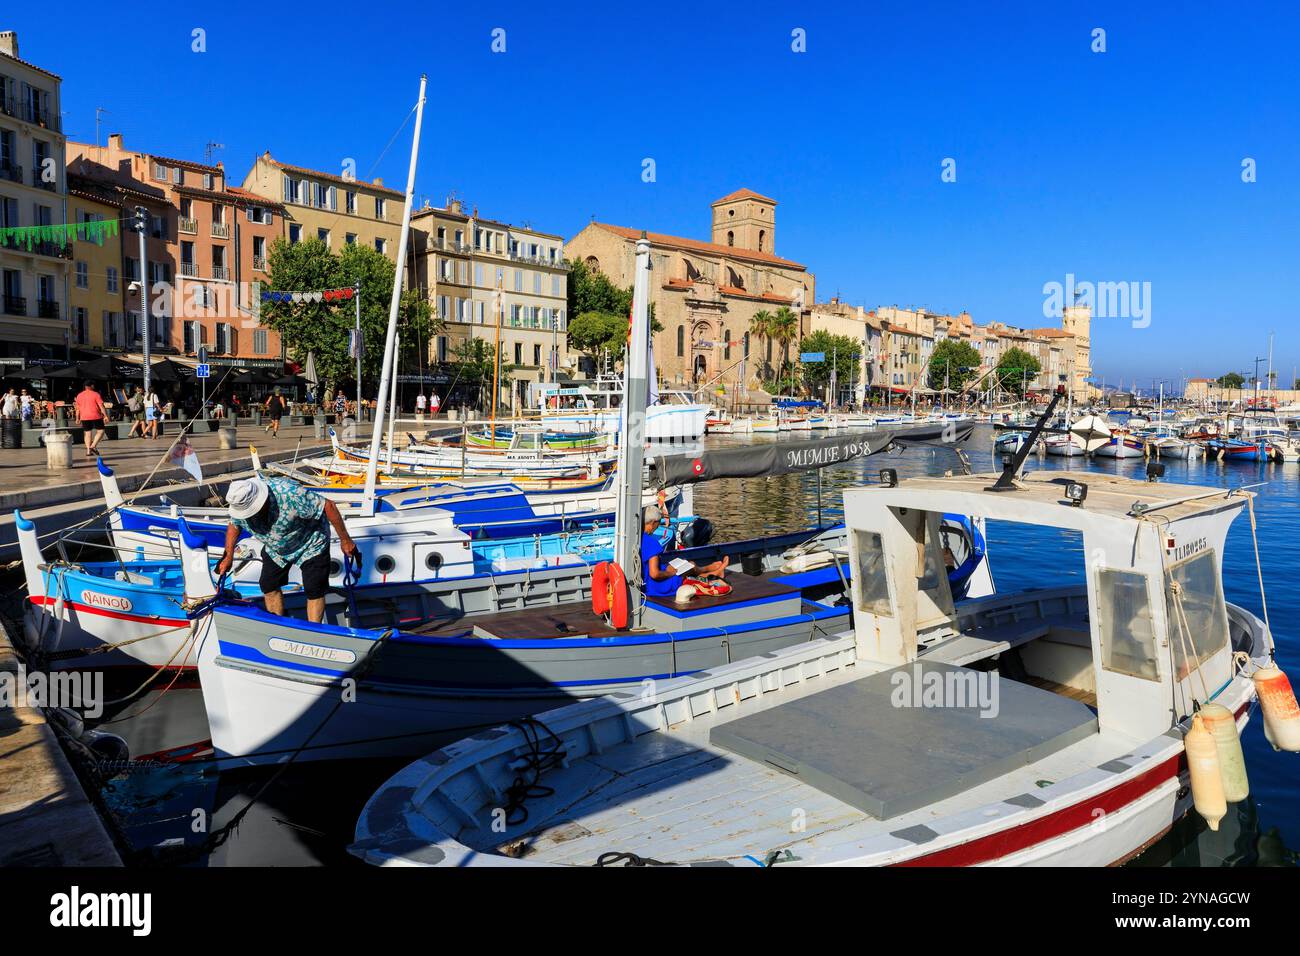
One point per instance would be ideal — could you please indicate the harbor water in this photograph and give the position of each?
(304, 815)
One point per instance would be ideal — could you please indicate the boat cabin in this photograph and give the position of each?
(1147, 634)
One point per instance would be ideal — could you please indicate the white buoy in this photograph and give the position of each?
(1222, 726)
(1203, 767)
(1278, 704)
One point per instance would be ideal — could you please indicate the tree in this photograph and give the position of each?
(953, 364)
(1015, 370)
(784, 329)
(597, 333)
(322, 327)
(591, 291)
(760, 325)
(842, 354)
(1231, 380)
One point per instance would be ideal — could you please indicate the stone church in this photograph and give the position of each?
(706, 293)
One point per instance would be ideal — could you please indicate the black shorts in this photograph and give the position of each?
(91, 425)
(315, 576)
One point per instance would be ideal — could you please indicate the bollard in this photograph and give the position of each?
(318, 426)
(226, 438)
(58, 450)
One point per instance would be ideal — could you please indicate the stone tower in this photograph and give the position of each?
(745, 220)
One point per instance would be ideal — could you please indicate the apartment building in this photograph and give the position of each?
(199, 280)
(483, 273)
(34, 273)
(865, 329)
(337, 210)
(95, 291)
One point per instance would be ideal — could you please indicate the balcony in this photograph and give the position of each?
(189, 269)
(32, 113)
(52, 249)
(260, 264)
(47, 309)
(15, 305)
(190, 226)
(220, 230)
(221, 273)
(11, 172)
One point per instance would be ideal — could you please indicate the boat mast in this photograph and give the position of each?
(381, 398)
(631, 451)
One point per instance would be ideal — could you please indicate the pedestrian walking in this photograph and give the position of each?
(91, 414)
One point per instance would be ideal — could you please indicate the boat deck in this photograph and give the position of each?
(578, 620)
(678, 798)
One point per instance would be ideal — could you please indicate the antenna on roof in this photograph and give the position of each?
(99, 111)
(207, 150)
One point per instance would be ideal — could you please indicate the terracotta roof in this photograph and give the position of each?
(695, 245)
(186, 163)
(215, 195)
(32, 66)
(1052, 333)
(243, 195)
(352, 183)
(743, 194)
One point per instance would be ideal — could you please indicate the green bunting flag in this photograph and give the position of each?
(26, 237)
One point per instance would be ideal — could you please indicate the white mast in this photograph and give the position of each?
(631, 451)
(381, 398)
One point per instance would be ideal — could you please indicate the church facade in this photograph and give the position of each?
(706, 293)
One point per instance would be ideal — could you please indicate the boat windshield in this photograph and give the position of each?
(1198, 619)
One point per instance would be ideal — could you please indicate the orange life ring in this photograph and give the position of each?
(600, 588)
(609, 593)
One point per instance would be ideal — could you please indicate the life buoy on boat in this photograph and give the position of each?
(609, 593)
(1278, 704)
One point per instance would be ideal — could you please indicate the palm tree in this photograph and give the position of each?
(760, 325)
(784, 327)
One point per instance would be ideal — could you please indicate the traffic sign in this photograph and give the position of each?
(812, 356)
(202, 371)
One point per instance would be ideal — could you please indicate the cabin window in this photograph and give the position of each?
(1128, 641)
(869, 577)
(1202, 625)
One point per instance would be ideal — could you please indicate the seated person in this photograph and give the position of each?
(660, 579)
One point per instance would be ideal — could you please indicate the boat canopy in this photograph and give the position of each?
(1157, 624)
(765, 461)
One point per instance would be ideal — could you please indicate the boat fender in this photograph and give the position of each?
(1222, 726)
(1203, 767)
(1278, 703)
(685, 594)
(106, 746)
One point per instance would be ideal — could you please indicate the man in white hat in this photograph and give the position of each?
(293, 525)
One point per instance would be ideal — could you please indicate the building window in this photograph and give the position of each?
(681, 341)
(762, 237)
(350, 201)
(380, 208)
(292, 190)
(726, 346)
(519, 280)
(519, 353)
(381, 245)
(350, 238)
(110, 279)
(83, 276)
(323, 235)
(259, 342)
(295, 233)
(731, 239)
(537, 355)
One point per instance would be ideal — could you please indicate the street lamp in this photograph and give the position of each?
(141, 218)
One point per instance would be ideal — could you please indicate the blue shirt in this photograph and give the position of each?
(294, 528)
(651, 546)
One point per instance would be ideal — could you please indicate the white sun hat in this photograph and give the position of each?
(245, 497)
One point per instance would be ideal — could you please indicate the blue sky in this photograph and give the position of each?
(1122, 166)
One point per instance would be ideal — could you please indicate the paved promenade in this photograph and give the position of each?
(25, 482)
